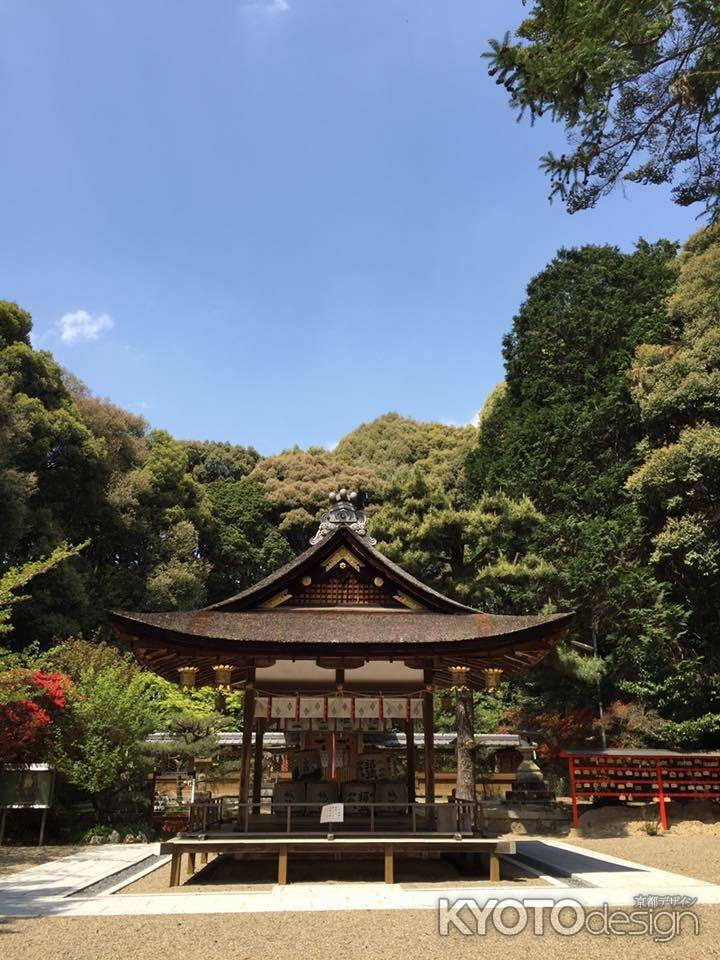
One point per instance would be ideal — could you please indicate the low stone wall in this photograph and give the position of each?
(526, 819)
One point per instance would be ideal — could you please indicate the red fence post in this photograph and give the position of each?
(571, 771)
(661, 796)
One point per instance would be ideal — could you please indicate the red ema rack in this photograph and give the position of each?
(628, 776)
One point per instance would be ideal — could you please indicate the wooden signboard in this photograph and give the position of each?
(26, 787)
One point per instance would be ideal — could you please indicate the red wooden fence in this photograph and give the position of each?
(659, 775)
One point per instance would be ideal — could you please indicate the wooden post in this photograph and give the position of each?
(43, 823)
(661, 796)
(257, 765)
(494, 867)
(573, 791)
(151, 806)
(190, 867)
(429, 738)
(389, 864)
(282, 864)
(248, 720)
(175, 869)
(410, 745)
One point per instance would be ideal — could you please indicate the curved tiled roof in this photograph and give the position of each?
(317, 552)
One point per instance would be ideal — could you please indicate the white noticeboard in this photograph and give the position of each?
(332, 813)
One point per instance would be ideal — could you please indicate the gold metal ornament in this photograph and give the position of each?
(223, 676)
(493, 676)
(188, 677)
(460, 677)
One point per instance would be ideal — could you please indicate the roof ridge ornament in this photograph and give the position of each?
(345, 511)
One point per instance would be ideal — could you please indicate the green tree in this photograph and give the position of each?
(17, 578)
(187, 737)
(676, 484)
(297, 484)
(393, 445)
(480, 554)
(636, 87)
(49, 466)
(564, 430)
(211, 460)
(100, 735)
(241, 541)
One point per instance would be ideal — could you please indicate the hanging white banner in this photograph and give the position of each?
(312, 707)
(284, 707)
(367, 708)
(340, 707)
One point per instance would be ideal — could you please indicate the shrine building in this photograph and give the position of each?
(335, 645)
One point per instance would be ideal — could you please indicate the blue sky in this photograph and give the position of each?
(270, 221)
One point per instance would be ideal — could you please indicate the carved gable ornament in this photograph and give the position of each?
(344, 512)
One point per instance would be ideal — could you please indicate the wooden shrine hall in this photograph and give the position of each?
(338, 642)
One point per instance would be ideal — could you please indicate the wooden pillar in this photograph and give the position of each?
(494, 867)
(43, 824)
(389, 864)
(151, 804)
(282, 864)
(248, 720)
(257, 765)
(429, 737)
(410, 747)
(175, 869)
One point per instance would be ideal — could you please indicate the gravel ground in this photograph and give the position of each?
(376, 935)
(229, 875)
(13, 859)
(693, 856)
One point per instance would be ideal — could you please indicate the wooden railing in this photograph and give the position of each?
(460, 817)
(206, 815)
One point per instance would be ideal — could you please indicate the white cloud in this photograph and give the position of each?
(82, 325)
(275, 6)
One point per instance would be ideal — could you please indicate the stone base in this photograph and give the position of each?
(525, 818)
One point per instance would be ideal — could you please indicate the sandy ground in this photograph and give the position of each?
(692, 819)
(693, 856)
(13, 859)
(358, 935)
(227, 875)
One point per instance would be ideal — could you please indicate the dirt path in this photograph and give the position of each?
(396, 935)
(693, 856)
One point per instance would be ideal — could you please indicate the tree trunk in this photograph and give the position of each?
(465, 752)
(178, 782)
